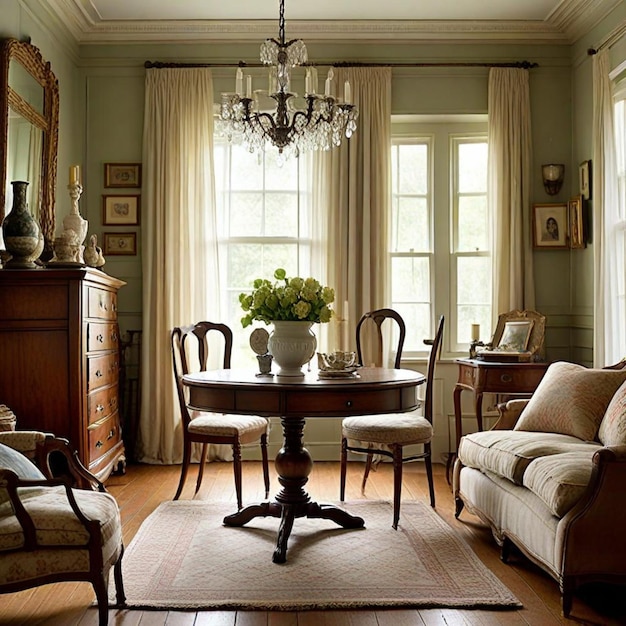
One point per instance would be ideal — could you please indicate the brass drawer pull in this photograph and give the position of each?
(111, 434)
(100, 408)
(99, 338)
(113, 402)
(506, 378)
(98, 374)
(99, 444)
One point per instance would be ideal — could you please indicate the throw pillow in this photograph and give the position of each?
(613, 426)
(18, 463)
(571, 400)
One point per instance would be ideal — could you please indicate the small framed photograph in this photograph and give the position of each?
(515, 336)
(120, 244)
(122, 174)
(120, 210)
(550, 225)
(576, 224)
(584, 175)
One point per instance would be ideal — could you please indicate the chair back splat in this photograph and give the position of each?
(378, 317)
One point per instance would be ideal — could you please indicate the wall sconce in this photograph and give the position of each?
(553, 177)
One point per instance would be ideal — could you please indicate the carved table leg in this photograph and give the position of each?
(293, 464)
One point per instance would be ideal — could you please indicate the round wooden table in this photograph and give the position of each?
(374, 390)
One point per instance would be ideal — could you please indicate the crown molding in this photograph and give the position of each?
(568, 21)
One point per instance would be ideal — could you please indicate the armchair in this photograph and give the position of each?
(55, 529)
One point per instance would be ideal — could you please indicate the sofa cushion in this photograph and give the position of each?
(508, 453)
(613, 426)
(571, 400)
(560, 479)
(16, 462)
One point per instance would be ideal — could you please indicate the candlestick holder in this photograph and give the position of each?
(74, 221)
(473, 352)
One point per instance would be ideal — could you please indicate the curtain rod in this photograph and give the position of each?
(609, 40)
(517, 64)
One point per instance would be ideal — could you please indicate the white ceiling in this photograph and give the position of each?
(101, 21)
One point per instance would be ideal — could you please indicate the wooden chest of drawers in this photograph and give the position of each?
(59, 367)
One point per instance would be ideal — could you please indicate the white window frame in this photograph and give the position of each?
(443, 134)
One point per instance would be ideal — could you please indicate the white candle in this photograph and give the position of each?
(346, 326)
(239, 82)
(74, 174)
(475, 332)
(327, 85)
(313, 80)
(347, 93)
(248, 86)
(307, 82)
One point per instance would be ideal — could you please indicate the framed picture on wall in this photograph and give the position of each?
(122, 175)
(120, 210)
(576, 224)
(120, 244)
(584, 175)
(550, 225)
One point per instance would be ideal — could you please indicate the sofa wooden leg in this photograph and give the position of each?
(505, 552)
(567, 598)
(458, 506)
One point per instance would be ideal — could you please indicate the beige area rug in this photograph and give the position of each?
(184, 558)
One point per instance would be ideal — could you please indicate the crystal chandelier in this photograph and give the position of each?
(318, 125)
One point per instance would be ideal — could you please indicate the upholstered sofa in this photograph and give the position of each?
(550, 477)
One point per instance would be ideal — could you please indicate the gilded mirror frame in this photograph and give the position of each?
(29, 57)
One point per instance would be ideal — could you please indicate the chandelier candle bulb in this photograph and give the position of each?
(327, 84)
(475, 332)
(239, 82)
(248, 86)
(347, 93)
(307, 82)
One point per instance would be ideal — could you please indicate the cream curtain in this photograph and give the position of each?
(179, 242)
(509, 186)
(608, 249)
(353, 195)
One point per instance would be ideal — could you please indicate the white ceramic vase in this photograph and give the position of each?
(292, 344)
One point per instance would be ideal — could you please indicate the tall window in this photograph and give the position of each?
(264, 222)
(440, 245)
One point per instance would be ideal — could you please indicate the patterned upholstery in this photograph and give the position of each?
(571, 400)
(404, 428)
(248, 428)
(613, 427)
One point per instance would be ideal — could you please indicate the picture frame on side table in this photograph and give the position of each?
(550, 225)
(120, 210)
(120, 244)
(584, 177)
(576, 223)
(122, 175)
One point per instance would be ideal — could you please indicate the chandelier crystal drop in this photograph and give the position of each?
(319, 124)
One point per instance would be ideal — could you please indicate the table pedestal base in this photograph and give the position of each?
(293, 464)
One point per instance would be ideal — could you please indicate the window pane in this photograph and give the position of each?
(413, 169)
(245, 172)
(474, 280)
(472, 226)
(472, 167)
(473, 314)
(417, 320)
(246, 214)
(410, 227)
(281, 215)
(283, 176)
(411, 280)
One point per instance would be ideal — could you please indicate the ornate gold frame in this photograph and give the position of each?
(537, 334)
(30, 58)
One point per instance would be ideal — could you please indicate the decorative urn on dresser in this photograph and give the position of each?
(59, 337)
(20, 231)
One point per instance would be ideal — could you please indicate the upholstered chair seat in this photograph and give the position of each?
(404, 428)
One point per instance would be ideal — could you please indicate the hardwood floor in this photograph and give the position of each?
(143, 487)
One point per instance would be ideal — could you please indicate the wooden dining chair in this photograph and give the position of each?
(389, 434)
(190, 344)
